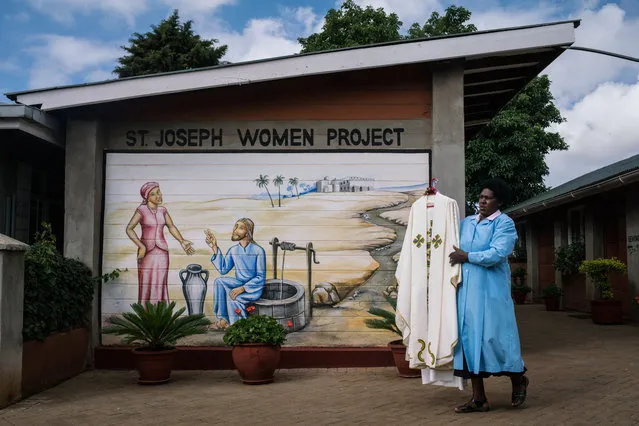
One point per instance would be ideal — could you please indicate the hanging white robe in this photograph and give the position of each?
(427, 289)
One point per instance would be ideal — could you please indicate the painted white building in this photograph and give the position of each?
(347, 184)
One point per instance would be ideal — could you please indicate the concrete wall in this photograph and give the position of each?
(448, 132)
(83, 199)
(11, 308)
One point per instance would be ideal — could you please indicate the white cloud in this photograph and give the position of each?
(409, 11)
(99, 75)
(260, 38)
(576, 73)
(505, 18)
(192, 9)
(58, 58)
(9, 65)
(263, 38)
(601, 129)
(64, 10)
(20, 17)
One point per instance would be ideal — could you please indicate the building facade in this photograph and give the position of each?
(256, 144)
(31, 172)
(597, 213)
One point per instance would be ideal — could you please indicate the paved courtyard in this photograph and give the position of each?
(580, 374)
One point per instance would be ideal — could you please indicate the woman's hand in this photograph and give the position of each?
(187, 246)
(458, 256)
(141, 252)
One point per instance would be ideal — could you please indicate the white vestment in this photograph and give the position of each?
(427, 289)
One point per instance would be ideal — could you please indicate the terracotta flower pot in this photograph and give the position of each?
(606, 311)
(256, 362)
(399, 356)
(154, 367)
(552, 303)
(519, 297)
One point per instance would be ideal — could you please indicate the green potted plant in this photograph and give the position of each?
(397, 347)
(256, 342)
(155, 329)
(552, 295)
(568, 258)
(605, 309)
(519, 288)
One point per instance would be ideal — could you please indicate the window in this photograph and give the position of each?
(519, 252)
(8, 225)
(576, 225)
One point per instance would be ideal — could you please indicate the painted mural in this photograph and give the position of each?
(311, 239)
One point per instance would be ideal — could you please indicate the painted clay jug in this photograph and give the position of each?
(194, 280)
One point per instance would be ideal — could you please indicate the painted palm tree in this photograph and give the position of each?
(294, 182)
(279, 181)
(262, 182)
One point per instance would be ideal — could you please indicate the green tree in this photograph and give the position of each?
(262, 182)
(279, 181)
(451, 23)
(513, 146)
(294, 182)
(515, 143)
(352, 25)
(169, 46)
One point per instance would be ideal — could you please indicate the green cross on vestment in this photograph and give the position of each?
(419, 240)
(437, 241)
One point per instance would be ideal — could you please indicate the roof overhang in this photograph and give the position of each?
(577, 194)
(31, 121)
(498, 63)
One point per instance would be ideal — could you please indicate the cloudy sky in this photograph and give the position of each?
(54, 42)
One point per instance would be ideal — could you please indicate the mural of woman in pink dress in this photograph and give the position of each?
(153, 251)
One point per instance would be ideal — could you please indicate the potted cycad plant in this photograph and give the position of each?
(552, 295)
(256, 342)
(155, 329)
(397, 347)
(605, 309)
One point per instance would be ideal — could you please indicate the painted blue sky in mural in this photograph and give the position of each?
(55, 42)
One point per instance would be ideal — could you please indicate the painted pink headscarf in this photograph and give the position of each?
(146, 189)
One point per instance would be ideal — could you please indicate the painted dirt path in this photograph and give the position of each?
(352, 311)
(384, 276)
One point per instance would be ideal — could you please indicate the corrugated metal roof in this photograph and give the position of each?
(592, 178)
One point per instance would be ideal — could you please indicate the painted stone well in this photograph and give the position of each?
(285, 300)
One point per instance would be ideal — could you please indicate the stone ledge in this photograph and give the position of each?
(9, 244)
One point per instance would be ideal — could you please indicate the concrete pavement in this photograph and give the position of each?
(580, 373)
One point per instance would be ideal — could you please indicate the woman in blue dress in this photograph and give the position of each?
(488, 336)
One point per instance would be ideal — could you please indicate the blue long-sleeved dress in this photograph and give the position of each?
(488, 336)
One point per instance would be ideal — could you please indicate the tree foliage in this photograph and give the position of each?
(453, 22)
(169, 46)
(513, 146)
(58, 291)
(352, 25)
(515, 143)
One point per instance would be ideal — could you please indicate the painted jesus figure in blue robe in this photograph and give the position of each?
(233, 294)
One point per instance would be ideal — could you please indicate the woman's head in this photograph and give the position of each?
(495, 193)
(150, 192)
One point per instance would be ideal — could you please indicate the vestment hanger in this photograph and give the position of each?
(432, 188)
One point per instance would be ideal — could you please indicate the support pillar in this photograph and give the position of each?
(594, 245)
(532, 257)
(632, 244)
(11, 311)
(448, 132)
(560, 240)
(83, 202)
